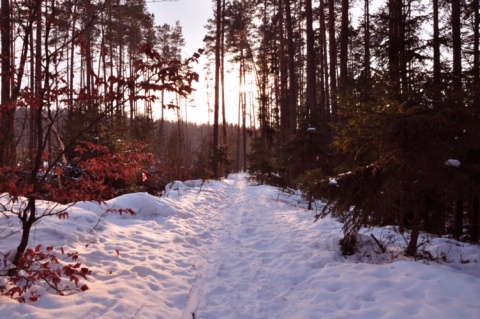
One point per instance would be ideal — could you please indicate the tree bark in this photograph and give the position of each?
(366, 62)
(216, 107)
(311, 67)
(437, 79)
(458, 231)
(412, 244)
(283, 75)
(7, 114)
(292, 79)
(475, 220)
(333, 61)
(476, 58)
(222, 75)
(344, 47)
(456, 55)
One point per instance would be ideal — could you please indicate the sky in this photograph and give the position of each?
(193, 16)
(231, 249)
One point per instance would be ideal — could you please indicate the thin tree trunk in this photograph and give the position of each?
(292, 89)
(457, 55)
(474, 220)
(284, 111)
(7, 114)
(88, 51)
(458, 231)
(324, 62)
(412, 245)
(311, 67)
(437, 77)
(344, 47)
(476, 57)
(218, 38)
(27, 218)
(222, 74)
(333, 61)
(244, 116)
(395, 12)
(32, 140)
(323, 110)
(367, 63)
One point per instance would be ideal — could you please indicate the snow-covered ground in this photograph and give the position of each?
(233, 250)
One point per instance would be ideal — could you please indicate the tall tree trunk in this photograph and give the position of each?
(244, 117)
(437, 75)
(292, 79)
(283, 61)
(311, 67)
(218, 38)
(7, 114)
(222, 74)
(32, 140)
(394, 47)
(476, 58)
(344, 47)
(239, 125)
(333, 60)
(324, 87)
(72, 64)
(264, 71)
(457, 55)
(36, 109)
(88, 51)
(367, 63)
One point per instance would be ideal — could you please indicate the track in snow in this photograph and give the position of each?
(254, 252)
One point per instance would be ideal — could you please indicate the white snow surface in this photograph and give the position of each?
(231, 249)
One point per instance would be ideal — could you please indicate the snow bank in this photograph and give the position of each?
(228, 249)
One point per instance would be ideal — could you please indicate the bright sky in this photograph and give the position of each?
(193, 16)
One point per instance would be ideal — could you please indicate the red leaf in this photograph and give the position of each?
(118, 253)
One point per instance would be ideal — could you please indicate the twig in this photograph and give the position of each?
(382, 247)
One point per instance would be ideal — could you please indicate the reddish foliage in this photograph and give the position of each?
(91, 175)
(42, 267)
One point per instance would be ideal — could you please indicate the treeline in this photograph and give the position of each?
(180, 150)
(372, 107)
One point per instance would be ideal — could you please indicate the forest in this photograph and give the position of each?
(371, 107)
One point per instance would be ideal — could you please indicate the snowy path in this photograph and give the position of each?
(269, 260)
(256, 258)
(231, 250)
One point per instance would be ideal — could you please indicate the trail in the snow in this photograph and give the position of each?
(253, 262)
(232, 250)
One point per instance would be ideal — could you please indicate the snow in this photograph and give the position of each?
(453, 162)
(230, 249)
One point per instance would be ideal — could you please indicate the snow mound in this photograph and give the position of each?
(147, 206)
